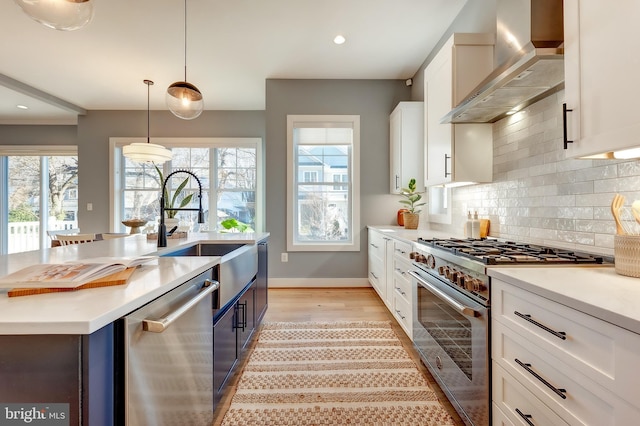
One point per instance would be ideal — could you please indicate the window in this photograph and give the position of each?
(228, 169)
(321, 215)
(39, 193)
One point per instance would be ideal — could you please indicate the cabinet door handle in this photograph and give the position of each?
(559, 334)
(160, 325)
(565, 110)
(241, 320)
(525, 417)
(374, 275)
(397, 185)
(446, 158)
(558, 391)
(374, 246)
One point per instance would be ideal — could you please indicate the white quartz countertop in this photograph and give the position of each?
(410, 235)
(85, 311)
(597, 291)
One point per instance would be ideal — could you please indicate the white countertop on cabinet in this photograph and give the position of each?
(594, 290)
(85, 311)
(410, 235)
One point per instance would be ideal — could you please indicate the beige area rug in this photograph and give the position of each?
(333, 373)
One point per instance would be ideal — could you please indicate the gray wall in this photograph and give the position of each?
(373, 101)
(38, 135)
(95, 129)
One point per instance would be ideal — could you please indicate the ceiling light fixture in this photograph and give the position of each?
(147, 152)
(63, 15)
(339, 39)
(184, 99)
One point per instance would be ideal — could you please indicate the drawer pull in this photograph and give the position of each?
(525, 417)
(399, 290)
(400, 314)
(558, 391)
(374, 275)
(374, 246)
(559, 334)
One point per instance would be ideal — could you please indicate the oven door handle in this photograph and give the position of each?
(464, 310)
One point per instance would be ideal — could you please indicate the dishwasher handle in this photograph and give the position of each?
(160, 325)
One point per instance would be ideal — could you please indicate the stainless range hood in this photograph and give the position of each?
(530, 47)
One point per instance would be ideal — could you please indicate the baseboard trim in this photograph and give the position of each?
(318, 282)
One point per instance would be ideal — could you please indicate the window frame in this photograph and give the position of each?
(352, 121)
(115, 168)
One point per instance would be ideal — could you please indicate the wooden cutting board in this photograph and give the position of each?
(117, 278)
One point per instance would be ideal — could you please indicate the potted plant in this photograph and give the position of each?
(177, 201)
(411, 201)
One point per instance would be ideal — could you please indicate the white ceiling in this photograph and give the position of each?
(232, 47)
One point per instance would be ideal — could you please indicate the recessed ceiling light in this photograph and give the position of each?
(339, 39)
(22, 106)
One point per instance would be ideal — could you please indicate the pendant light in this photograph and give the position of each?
(147, 152)
(63, 15)
(184, 99)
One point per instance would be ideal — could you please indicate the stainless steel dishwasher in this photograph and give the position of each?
(168, 354)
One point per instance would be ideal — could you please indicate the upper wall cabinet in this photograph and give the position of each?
(406, 145)
(601, 76)
(457, 153)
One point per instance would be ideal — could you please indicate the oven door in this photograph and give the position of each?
(451, 333)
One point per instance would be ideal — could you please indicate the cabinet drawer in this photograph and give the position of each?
(597, 349)
(376, 245)
(402, 286)
(576, 398)
(499, 418)
(401, 249)
(403, 313)
(516, 402)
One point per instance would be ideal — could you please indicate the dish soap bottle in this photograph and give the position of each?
(475, 226)
(468, 231)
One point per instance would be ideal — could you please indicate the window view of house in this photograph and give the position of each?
(232, 169)
(322, 181)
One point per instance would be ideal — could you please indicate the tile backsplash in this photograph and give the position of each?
(539, 196)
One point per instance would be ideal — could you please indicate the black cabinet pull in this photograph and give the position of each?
(558, 391)
(241, 315)
(559, 334)
(525, 417)
(565, 125)
(446, 158)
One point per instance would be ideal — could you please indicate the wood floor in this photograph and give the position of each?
(329, 304)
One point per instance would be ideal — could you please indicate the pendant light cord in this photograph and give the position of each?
(185, 40)
(148, 83)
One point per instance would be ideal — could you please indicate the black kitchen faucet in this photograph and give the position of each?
(162, 228)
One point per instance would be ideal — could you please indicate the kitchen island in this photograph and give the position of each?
(66, 348)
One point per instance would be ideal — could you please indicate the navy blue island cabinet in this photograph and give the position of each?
(86, 372)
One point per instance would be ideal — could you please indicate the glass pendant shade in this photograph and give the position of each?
(184, 100)
(147, 152)
(63, 15)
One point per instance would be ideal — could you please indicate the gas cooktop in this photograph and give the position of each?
(495, 252)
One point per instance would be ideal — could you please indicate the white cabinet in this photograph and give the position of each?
(601, 74)
(457, 152)
(559, 365)
(406, 140)
(389, 275)
(400, 288)
(377, 259)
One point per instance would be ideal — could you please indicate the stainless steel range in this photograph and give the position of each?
(452, 313)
